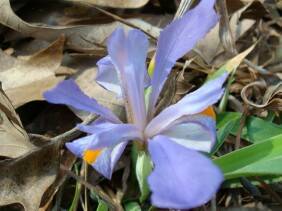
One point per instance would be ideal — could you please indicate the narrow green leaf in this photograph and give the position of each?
(143, 169)
(75, 198)
(232, 64)
(102, 206)
(132, 206)
(255, 129)
(263, 158)
(221, 135)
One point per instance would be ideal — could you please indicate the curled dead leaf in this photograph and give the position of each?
(85, 38)
(14, 141)
(25, 81)
(270, 95)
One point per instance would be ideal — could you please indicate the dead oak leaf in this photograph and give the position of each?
(25, 179)
(84, 38)
(14, 140)
(26, 80)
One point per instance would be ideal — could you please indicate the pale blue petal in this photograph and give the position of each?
(79, 146)
(195, 132)
(107, 76)
(106, 160)
(192, 103)
(182, 178)
(109, 134)
(176, 40)
(67, 92)
(128, 54)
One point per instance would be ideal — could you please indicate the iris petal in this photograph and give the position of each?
(192, 103)
(107, 76)
(108, 134)
(176, 40)
(67, 92)
(108, 158)
(188, 178)
(195, 132)
(103, 160)
(128, 54)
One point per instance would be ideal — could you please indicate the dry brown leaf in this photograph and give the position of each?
(25, 179)
(176, 87)
(82, 37)
(25, 81)
(118, 3)
(210, 47)
(14, 141)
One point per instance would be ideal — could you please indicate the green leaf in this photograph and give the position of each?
(221, 134)
(232, 64)
(143, 169)
(255, 129)
(75, 198)
(102, 206)
(263, 158)
(132, 206)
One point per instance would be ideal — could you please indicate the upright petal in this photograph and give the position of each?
(189, 179)
(108, 134)
(128, 54)
(176, 40)
(67, 92)
(192, 103)
(195, 132)
(107, 76)
(103, 160)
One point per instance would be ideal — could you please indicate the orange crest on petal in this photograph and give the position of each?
(91, 155)
(209, 112)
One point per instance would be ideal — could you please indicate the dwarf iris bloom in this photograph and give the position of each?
(182, 177)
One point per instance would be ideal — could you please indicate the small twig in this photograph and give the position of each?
(117, 18)
(241, 126)
(268, 190)
(259, 69)
(85, 171)
(74, 133)
(96, 189)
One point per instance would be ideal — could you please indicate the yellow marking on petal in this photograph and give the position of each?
(90, 156)
(209, 112)
(151, 66)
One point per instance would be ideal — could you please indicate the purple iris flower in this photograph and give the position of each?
(182, 178)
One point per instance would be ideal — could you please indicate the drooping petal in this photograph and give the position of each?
(108, 158)
(195, 132)
(107, 76)
(103, 160)
(182, 178)
(192, 103)
(67, 92)
(109, 134)
(128, 54)
(176, 40)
